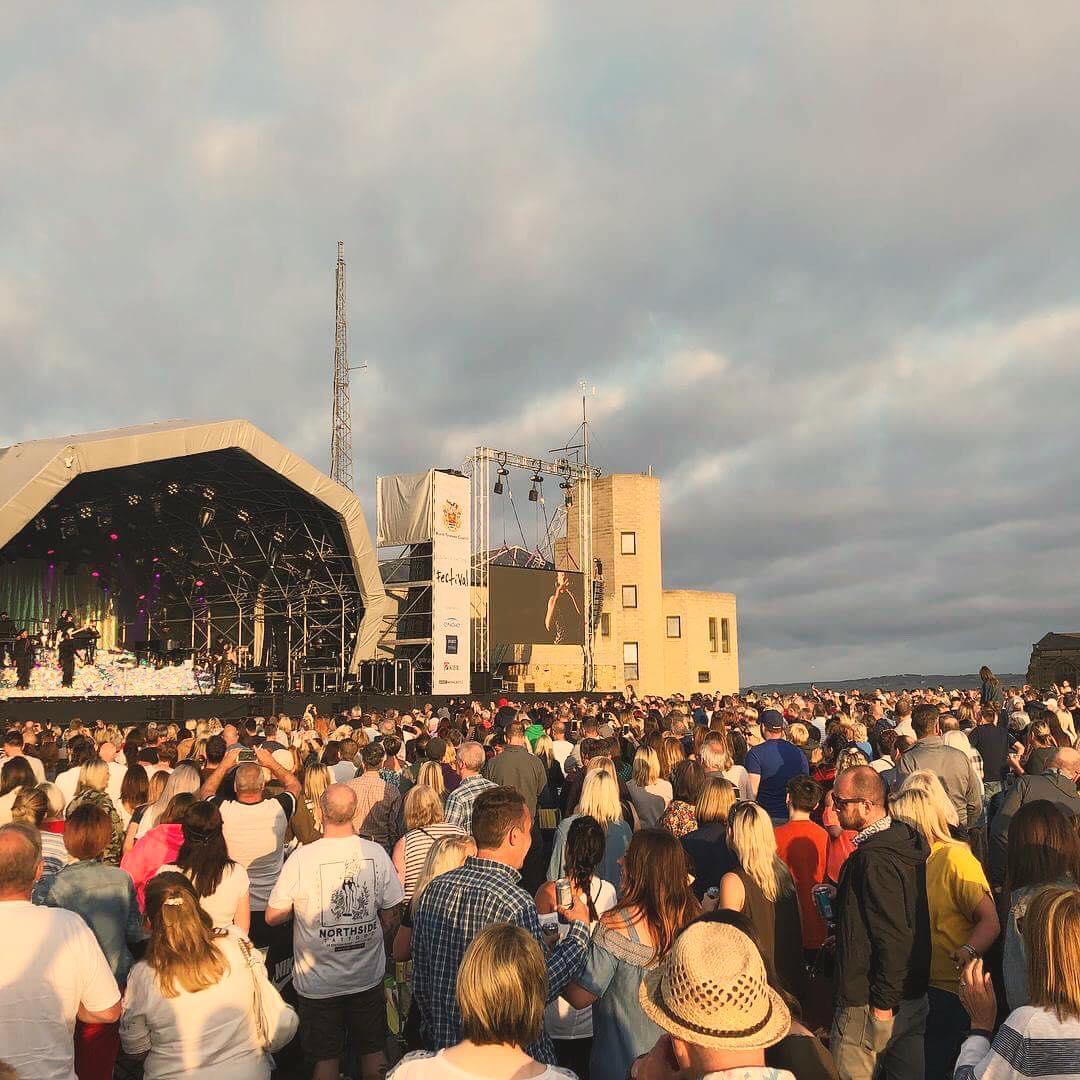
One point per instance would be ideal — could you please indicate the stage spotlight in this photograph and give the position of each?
(173, 488)
(567, 488)
(86, 512)
(534, 491)
(503, 471)
(243, 515)
(208, 494)
(133, 499)
(114, 537)
(199, 583)
(206, 517)
(40, 524)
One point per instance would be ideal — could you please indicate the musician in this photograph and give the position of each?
(65, 623)
(23, 650)
(68, 645)
(8, 632)
(86, 642)
(225, 670)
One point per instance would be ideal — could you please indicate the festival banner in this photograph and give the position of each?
(450, 590)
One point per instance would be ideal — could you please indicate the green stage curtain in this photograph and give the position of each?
(31, 592)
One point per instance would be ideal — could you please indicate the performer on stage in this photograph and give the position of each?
(8, 632)
(23, 651)
(563, 614)
(65, 622)
(226, 670)
(67, 648)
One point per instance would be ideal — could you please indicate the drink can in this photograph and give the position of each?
(564, 893)
(822, 895)
(712, 892)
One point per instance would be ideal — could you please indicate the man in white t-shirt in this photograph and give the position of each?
(560, 748)
(343, 894)
(53, 972)
(254, 827)
(107, 752)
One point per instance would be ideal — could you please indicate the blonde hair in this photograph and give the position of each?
(543, 750)
(184, 778)
(422, 807)
(155, 786)
(600, 798)
(182, 951)
(798, 734)
(430, 775)
(924, 780)
(646, 767)
(850, 758)
(93, 776)
(55, 799)
(601, 764)
(501, 987)
(714, 803)
(670, 754)
(447, 853)
(754, 842)
(922, 812)
(1052, 936)
(316, 780)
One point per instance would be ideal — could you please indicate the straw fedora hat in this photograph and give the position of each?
(710, 990)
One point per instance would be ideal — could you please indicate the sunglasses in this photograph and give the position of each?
(837, 801)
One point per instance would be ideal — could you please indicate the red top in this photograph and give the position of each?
(52, 826)
(802, 846)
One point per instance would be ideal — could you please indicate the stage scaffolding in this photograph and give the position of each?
(578, 475)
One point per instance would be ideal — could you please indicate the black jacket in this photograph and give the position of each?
(882, 922)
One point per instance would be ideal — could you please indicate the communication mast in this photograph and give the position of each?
(341, 463)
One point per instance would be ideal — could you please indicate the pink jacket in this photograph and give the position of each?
(158, 847)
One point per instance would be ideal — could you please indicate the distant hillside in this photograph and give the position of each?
(889, 682)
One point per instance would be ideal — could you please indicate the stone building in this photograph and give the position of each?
(1055, 658)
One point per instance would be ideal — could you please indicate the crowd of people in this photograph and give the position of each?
(813, 885)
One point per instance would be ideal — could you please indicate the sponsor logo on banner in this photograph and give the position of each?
(453, 517)
(451, 623)
(451, 645)
(447, 666)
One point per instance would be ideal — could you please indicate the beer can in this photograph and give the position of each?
(564, 893)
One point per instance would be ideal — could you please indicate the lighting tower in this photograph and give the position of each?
(341, 464)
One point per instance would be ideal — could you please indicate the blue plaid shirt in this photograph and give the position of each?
(460, 801)
(455, 907)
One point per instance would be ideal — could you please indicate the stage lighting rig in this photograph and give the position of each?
(206, 517)
(534, 491)
(503, 471)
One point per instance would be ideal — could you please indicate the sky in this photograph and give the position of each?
(820, 262)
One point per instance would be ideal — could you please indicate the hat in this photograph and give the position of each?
(605, 731)
(711, 990)
(284, 758)
(436, 749)
(772, 719)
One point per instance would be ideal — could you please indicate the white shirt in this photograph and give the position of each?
(37, 767)
(342, 771)
(211, 1034)
(221, 904)
(116, 780)
(52, 965)
(255, 838)
(561, 749)
(336, 888)
(67, 782)
(738, 776)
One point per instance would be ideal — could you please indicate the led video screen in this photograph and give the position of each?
(536, 607)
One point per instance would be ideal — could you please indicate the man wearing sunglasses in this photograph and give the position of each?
(882, 937)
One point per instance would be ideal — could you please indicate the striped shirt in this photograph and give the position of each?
(1032, 1042)
(415, 846)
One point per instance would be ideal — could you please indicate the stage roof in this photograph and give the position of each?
(33, 474)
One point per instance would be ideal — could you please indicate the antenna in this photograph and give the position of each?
(341, 463)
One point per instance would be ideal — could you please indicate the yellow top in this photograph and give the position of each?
(955, 884)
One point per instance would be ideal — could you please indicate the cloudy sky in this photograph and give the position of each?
(821, 262)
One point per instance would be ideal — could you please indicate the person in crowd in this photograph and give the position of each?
(306, 821)
(963, 923)
(802, 844)
(1038, 1039)
(687, 780)
(14, 746)
(378, 804)
(184, 778)
(15, 775)
(882, 938)
(543, 749)
(159, 846)
(255, 826)
(457, 905)
(1057, 785)
(991, 741)
(990, 691)
(499, 995)
(31, 808)
(424, 824)
(220, 883)
(1043, 849)
(704, 1032)
(54, 975)
(599, 801)
(105, 898)
(771, 764)
(571, 1029)
(670, 752)
(80, 750)
(199, 1004)
(339, 977)
(561, 748)
(761, 886)
(952, 767)
(707, 846)
(460, 801)
(90, 789)
(715, 757)
(649, 793)
(134, 792)
(656, 903)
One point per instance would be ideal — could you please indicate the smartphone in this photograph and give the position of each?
(246, 757)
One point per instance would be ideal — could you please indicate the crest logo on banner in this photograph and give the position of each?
(452, 516)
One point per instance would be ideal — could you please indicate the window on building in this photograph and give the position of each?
(605, 624)
(629, 596)
(674, 626)
(629, 543)
(713, 644)
(704, 676)
(630, 661)
(725, 635)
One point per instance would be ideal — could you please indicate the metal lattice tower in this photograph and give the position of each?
(341, 462)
